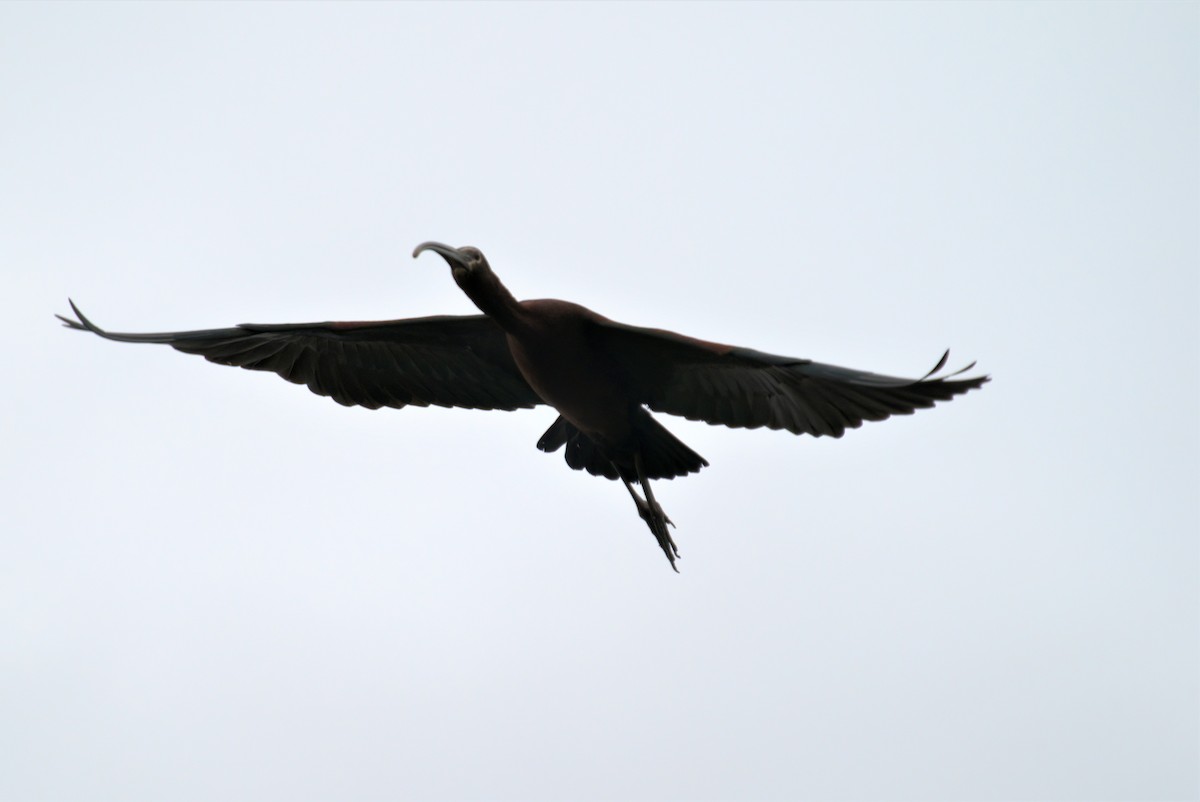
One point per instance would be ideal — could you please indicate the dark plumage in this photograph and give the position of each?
(601, 376)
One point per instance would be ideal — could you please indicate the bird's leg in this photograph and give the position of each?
(652, 513)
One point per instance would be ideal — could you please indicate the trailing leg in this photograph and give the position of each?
(652, 513)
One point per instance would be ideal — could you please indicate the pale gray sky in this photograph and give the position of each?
(215, 585)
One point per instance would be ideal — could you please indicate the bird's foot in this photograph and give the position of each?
(658, 521)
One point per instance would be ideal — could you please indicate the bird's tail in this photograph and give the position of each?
(664, 456)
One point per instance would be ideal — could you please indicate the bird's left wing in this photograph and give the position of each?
(448, 361)
(744, 388)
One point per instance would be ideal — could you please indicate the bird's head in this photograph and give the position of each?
(467, 264)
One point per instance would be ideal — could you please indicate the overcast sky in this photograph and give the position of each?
(215, 585)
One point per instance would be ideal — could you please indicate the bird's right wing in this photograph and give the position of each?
(448, 361)
(744, 388)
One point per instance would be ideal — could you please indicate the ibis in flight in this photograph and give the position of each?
(602, 377)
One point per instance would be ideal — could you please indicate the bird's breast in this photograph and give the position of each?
(571, 375)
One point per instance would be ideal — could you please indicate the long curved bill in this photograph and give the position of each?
(451, 255)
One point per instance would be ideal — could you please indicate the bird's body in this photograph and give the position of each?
(600, 375)
(555, 355)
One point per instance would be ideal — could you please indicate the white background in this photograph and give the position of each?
(214, 585)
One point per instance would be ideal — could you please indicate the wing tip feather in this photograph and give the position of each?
(81, 323)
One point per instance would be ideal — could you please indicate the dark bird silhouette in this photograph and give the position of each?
(601, 376)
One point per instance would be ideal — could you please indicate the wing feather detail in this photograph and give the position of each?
(448, 361)
(744, 388)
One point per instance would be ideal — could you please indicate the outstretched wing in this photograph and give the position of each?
(740, 387)
(448, 361)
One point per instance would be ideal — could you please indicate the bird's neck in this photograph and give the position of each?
(495, 301)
